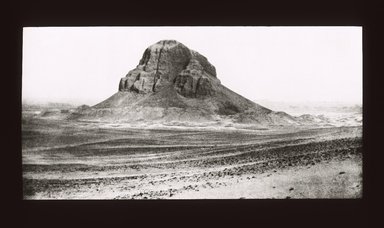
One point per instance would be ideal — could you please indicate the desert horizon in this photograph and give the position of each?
(177, 126)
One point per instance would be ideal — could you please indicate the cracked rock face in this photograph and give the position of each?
(170, 63)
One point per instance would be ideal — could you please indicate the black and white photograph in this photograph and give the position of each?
(192, 112)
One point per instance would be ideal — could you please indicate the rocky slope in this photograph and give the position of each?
(173, 83)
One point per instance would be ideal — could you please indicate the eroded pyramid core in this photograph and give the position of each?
(174, 83)
(170, 63)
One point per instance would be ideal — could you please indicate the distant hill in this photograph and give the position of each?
(299, 108)
(320, 113)
(49, 105)
(174, 83)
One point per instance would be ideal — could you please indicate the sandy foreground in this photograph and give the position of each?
(335, 179)
(330, 179)
(75, 162)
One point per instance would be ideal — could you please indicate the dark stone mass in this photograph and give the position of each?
(169, 62)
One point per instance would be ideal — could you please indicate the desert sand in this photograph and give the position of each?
(63, 160)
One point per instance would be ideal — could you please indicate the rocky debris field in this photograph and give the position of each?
(83, 161)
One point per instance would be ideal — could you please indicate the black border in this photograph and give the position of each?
(193, 13)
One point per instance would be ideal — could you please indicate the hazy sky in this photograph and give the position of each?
(84, 64)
